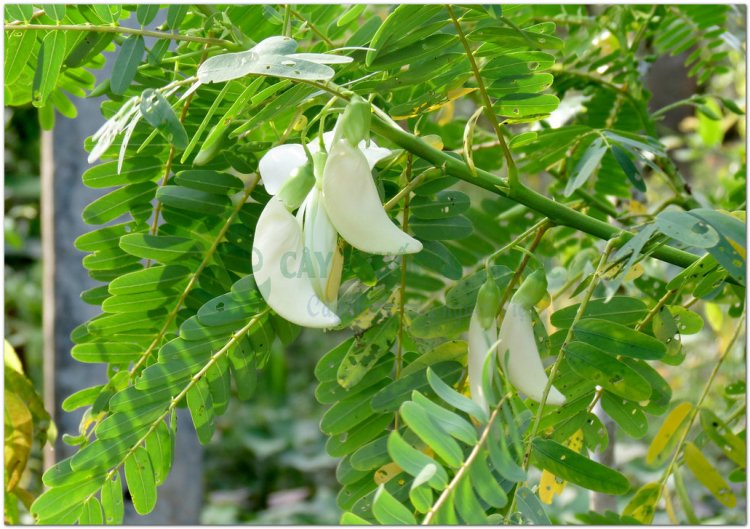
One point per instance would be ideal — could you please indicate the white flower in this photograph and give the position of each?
(522, 363)
(353, 204)
(278, 163)
(280, 271)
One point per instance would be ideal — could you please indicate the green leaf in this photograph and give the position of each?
(526, 84)
(200, 405)
(709, 477)
(441, 322)
(413, 52)
(161, 248)
(729, 443)
(437, 257)
(448, 228)
(525, 105)
(112, 501)
(443, 204)
(140, 477)
(192, 200)
(243, 367)
(620, 309)
(500, 455)
(157, 111)
(389, 511)
(153, 279)
(349, 412)
(618, 339)
(454, 398)
(627, 414)
(454, 351)
(366, 351)
(510, 65)
(19, 11)
(414, 461)
(586, 166)
(141, 169)
(394, 393)
(228, 66)
(605, 370)
(628, 167)
(214, 182)
(175, 14)
(230, 308)
(57, 500)
(467, 505)
(118, 202)
(145, 13)
(358, 436)
(19, 46)
(431, 433)
(454, 424)
(731, 250)
(83, 397)
(126, 63)
(159, 448)
(509, 38)
(530, 507)
(486, 485)
(572, 466)
(91, 514)
(687, 229)
(110, 352)
(49, 62)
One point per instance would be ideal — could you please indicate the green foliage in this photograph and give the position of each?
(183, 322)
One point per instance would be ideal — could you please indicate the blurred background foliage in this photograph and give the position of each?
(267, 464)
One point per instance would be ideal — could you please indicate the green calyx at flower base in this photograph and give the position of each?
(515, 342)
(297, 262)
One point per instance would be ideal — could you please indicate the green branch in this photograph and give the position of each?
(120, 30)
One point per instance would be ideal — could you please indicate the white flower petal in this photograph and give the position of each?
(524, 366)
(481, 342)
(278, 163)
(353, 205)
(278, 253)
(320, 241)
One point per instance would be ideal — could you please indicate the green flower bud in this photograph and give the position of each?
(532, 290)
(297, 186)
(488, 299)
(354, 123)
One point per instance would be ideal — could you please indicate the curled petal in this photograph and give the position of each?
(278, 163)
(524, 366)
(320, 243)
(281, 271)
(353, 205)
(481, 343)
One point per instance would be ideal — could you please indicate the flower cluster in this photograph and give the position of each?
(297, 261)
(516, 343)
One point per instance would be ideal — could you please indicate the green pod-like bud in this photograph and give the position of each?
(354, 123)
(532, 290)
(297, 186)
(488, 300)
(212, 146)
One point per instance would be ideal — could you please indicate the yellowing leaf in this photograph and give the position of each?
(18, 437)
(549, 484)
(705, 472)
(385, 473)
(643, 505)
(668, 434)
